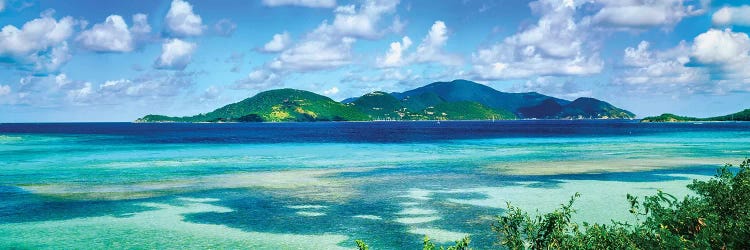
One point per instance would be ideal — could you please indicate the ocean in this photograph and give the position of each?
(322, 185)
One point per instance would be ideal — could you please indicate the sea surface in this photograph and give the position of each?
(322, 185)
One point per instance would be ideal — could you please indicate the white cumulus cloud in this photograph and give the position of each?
(182, 21)
(211, 93)
(329, 46)
(394, 57)
(362, 22)
(176, 54)
(39, 45)
(640, 56)
(4, 90)
(553, 46)
(304, 3)
(717, 62)
(725, 52)
(258, 79)
(278, 43)
(721, 47)
(432, 47)
(645, 13)
(83, 94)
(225, 27)
(332, 91)
(111, 36)
(732, 16)
(656, 69)
(317, 52)
(140, 29)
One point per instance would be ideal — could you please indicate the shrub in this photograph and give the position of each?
(717, 217)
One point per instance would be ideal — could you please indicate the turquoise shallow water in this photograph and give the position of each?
(320, 186)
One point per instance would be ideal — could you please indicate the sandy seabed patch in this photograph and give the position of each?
(596, 166)
(164, 227)
(417, 219)
(438, 235)
(316, 185)
(368, 217)
(416, 211)
(601, 201)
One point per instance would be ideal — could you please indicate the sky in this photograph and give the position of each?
(113, 60)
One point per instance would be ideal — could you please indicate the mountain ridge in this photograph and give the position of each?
(454, 100)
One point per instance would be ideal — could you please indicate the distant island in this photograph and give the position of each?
(739, 116)
(455, 100)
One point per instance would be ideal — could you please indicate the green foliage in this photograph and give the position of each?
(379, 105)
(250, 118)
(518, 230)
(466, 111)
(669, 118)
(463, 90)
(422, 101)
(427, 106)
(427, 244)
(275, 106)
(739, 116)
(456, 100)
(717, 218)
(592, 108)
(361, 245)
(527, 105)
(462, 244)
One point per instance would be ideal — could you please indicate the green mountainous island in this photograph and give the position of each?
(739, 116)
(455, 100)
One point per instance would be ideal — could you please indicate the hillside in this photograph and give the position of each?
(455, 100)
(274, 106)
(378, 105)
(466, 111)
(666, 117)
(463, 90)
(522, 105)
(426, 106)
(739, 116)
(585, 107)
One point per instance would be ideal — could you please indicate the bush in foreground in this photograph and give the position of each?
(717, 217)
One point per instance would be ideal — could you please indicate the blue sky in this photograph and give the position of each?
(100, 60)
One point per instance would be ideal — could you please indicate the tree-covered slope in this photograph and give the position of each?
(547, 109)
(585, 107)
(275, 106)
(455, 100)
(666, 117)
(739, 116)
(422, 101)
(466, 111)
(378, 105)
(463, 90)
(523, 105)
(426, 106)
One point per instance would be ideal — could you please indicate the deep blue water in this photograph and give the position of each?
(364, 132)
